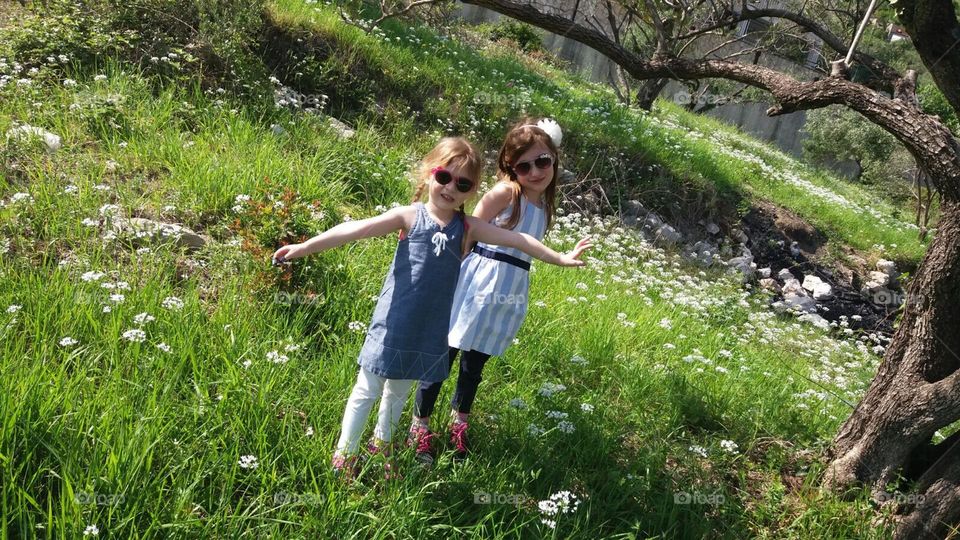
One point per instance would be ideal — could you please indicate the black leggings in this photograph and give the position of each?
(471, 366)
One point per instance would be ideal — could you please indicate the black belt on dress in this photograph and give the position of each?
(509, 259)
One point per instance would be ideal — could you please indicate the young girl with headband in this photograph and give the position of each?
(407, 337)
(491, 298)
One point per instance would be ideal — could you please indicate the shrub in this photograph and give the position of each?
(525, 36)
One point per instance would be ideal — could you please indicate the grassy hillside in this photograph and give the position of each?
(682, 164)
(139, 376)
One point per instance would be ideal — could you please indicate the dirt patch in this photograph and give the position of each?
(779, 238)
(12, 13)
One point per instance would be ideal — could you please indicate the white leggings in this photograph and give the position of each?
(369, 387)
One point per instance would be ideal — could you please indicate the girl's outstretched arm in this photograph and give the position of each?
(487, 233)
(493, 202)
(395, 219)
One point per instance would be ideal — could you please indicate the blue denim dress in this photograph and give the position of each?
(407, 338)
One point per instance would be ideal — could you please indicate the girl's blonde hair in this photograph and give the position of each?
(521, 137)
(449, 152)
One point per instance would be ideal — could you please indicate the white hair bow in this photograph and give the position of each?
(551, 128)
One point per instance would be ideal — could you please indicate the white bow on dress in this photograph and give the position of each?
(439, 242)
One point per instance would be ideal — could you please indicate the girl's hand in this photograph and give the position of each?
(572, 258)
(289, 252)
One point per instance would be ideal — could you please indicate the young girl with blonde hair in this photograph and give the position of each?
(491, 299)
(407, 338)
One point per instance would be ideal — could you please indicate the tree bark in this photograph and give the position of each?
(917, 387)
(915, 393)
(649, 91)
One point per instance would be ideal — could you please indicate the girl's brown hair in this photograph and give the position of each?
(519, 139)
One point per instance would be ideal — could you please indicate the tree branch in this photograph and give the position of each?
(930, 143)
(878, 68)
(935, 31)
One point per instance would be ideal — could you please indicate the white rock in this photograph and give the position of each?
(155, 231)
(739, 236)
(793, 286)
(666, 235)
(653, 222)
(712, 228)
(631, 212)
(770, 285)
(822, 291)
(744, 265)
(800, 303)
(879, 277)
(795, 249)
(810, 282)
(815, 320)
(764, 272)
(784, 275)
(27, 132)
(342, 130)
(887, 267)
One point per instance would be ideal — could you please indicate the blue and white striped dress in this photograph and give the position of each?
(491, 299)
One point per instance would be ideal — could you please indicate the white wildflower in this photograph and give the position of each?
(143, 318)
(172, 303)
(729, 446)
(357, 326)
(276, 357)
(518, 403)
(92, 276)
(135, 335)
(248, 462)
(548, 389)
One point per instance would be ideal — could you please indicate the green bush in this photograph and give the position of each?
(166, 38)
(525, 36)
(933, 101)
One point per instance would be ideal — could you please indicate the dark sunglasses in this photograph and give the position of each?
(444, 177)
(523, 168)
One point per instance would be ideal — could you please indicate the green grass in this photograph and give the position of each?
(146, 442)
(669, 158)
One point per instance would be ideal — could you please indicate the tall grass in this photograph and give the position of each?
(695, 411)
